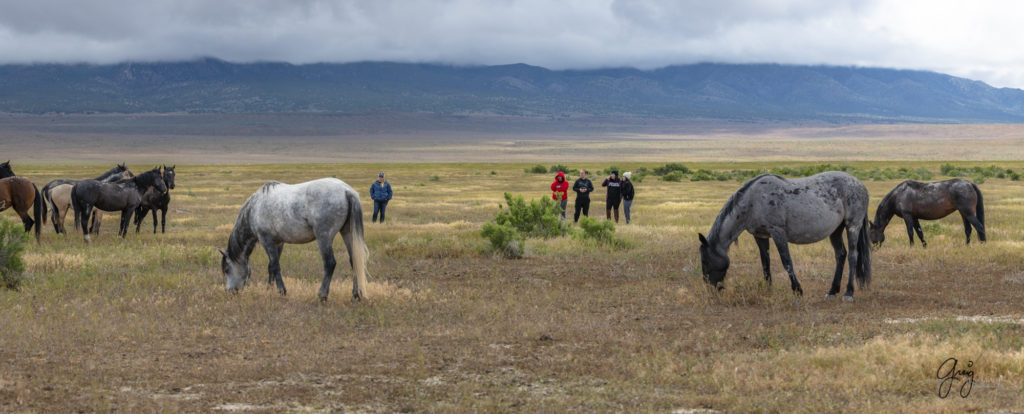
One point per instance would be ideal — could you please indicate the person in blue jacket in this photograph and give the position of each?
(380, 192)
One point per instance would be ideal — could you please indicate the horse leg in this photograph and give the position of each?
(837, 244)
(154, 220)
(852, 232)
(326, 244)
(126, 220)
(967, 226)
(920, 233)
(909, 221)
(978, 226)
(274, 251)
(762, 247)
(83, 218)
(26, 219)
(783, 246)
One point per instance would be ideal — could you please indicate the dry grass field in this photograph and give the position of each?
(144, 324)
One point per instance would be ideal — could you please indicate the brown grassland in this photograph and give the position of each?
(144, 324)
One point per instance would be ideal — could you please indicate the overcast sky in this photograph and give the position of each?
(979, 39)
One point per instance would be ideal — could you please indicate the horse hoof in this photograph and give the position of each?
(847, 298)
(282, 292)
(322, 299)
(830, 296)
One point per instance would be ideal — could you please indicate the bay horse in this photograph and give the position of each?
(913, 201)
(154, 200)
(280, 213)
(124, 196)
(63, 203)
(801, 211)
(20, 193)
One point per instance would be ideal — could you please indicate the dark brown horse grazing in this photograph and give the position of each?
(20, 193)
(913, 201)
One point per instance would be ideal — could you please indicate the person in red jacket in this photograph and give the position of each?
(560, 190)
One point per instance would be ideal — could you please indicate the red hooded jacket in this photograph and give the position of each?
(560, 187)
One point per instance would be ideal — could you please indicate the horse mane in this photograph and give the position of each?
(117, 169)
(269, 186)
(147, 179)
(884, 207)
(731, 203)
(242, 239)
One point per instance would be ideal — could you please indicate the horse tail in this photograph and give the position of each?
(38, 211)
(358, 253)
(864, 255)
(980, 208)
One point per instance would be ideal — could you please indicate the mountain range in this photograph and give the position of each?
(710, 91)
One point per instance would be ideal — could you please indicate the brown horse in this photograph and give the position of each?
(913, 201)
(20, 194)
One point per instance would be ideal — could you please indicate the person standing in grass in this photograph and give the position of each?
(614, 196)
(627, 193)
(380, 192)
(583, 187)
(560, 190)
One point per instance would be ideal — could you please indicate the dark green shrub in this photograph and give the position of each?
(538, 218)
(670, 168)
(537, 169)
(558, 168)
(674, 176)
(504, 239)
(600, 231)
(12, 244)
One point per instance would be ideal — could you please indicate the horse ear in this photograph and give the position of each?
(703, 240)
(222, 252)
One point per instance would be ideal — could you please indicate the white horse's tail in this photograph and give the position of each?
(358, 253)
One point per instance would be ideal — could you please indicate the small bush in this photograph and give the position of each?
(435, 177)
(537, 169)
(504, 239)
(12, 243)
(670, 168)
(558, 168)
(674, 176)
(538, 218)
(602, 232)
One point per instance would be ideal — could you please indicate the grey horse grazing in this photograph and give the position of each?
(912, 200)
(281, 213)
(801, 211)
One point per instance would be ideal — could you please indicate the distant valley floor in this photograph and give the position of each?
(331, 138)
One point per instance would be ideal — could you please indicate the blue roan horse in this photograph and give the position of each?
(280, 213)
(801, 211)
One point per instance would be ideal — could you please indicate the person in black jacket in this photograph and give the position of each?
(614, 196)
(627, 193)
(583, 187)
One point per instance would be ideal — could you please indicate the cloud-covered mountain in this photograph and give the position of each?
(704, 91)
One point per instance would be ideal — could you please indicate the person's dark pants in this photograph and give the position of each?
(379, 206)
(565, 202)
(581, 205)
(612, 205)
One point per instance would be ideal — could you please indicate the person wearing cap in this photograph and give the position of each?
(614, 196)
(380, 192)
(627, 193)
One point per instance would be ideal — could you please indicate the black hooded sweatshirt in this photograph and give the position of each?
(583, 183)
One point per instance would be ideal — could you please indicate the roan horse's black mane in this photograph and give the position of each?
(731, 203)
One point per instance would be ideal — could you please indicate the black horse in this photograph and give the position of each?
(119, 172)
(154, 200)
(124, 196)
(913, 201)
